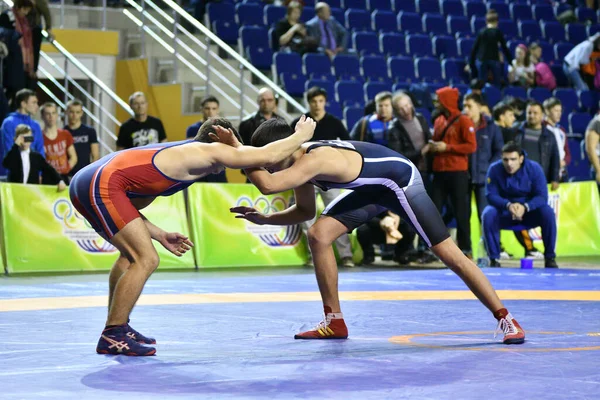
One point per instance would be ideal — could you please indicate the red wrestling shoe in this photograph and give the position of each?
(513, 333)
(332, 327)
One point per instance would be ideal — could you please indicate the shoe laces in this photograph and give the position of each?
(506, 326)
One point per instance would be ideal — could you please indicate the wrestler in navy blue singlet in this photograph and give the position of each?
(387, 181)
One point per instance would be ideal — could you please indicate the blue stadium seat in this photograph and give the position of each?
(334, 108)
(475, 9)
(227, 30)
(477, 24)
(366, 43)
(254, 36)
(562, 49)
(349, 92)
(383, 5)
(500, 7)
(260, 57)
(409, 22)
(272, 14)
(393, 44)
(384, 21)
(559, 74)
(372, 88)
(465, 45)
(428, 6)
(568, 98)
(316, 64)
(553, 31)
(578, 122)
(453, 7)
(249, 14)
(579, 168)
(530, 30)
(562, 7)
(520, 12)
(509, 28)
(404, 86)
(576, 33)
(290, 63)
(454, 71)
(515, 91)
(589, 100)
(543, 12)
(458, 25)
(308, 13)
(429, 69)
(462, 87)
(352, 115)
(338, 15)
(586, 14)
(405, 5)
(374, 68)
(434, 24)
(402, 69)
(419, 45)
(547, 51)
(334, 3)
(358, 20)
(445, 47)
(593, 29)
(324, 84)
(539, 94)
(259, 3)
(346, 66)
(492, 95)
(357, 4)
(219, 12)
(293, 84)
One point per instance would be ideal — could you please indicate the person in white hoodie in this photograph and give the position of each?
(578, 56)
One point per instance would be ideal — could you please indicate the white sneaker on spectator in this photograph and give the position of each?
(535, 255)
(347, 262)
(505, 256)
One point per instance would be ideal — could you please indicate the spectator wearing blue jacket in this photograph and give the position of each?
(27, 104)
(518, 199)
(489, 148)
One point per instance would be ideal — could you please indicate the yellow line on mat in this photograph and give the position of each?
(53, 303)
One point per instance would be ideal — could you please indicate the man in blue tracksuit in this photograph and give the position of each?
(518, 196)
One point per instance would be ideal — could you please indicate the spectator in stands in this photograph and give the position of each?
(519, 106)
(267, 104)
(141, 129)
(592, 146)
(40, 11)
(375, 127)
(453, 141)
(395, 237)
(210, 109)
(578, 56)
(16, 19)
(539, 144)
(27, 103)
(553, 110)
(476, 87)
(26, 165)
(290, 33)
(489, 149)
(485, 56)
(543, 74)
(521, 72)
(331, 36)
(328, 128)
(409, 134)
(84, 136)
(518, 198)
(58, 143)
(504, 117)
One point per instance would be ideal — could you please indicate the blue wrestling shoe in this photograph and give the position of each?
(138, 337)
(116, 341)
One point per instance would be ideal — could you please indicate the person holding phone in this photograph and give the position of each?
(28, 166)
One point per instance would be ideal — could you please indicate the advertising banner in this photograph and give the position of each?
(221, 240)
(44, 233)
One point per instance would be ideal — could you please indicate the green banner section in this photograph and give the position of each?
(44, 233)
(224, 241)
(577, 210)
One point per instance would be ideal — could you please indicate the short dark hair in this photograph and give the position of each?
(381, 96)
(208, 126)
(23, 95)
(512, 147)
(550, 103)
(293, 5)
(491, 17)
(46, 105)
(500, 109)
(270, 131)
(534, 103)
(476, 98)
(314, 92)
(23, 4)
(209, 99)
(74, 102)
(477, 84)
